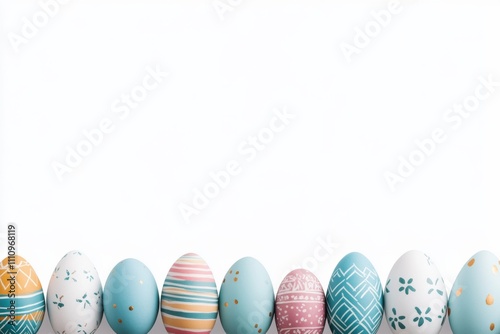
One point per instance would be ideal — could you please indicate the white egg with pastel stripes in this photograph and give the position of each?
(189, 300)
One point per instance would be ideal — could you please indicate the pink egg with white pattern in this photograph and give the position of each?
(300, 304)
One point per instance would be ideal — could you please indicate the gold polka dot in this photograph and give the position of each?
(260, 330)
(226, 304)
(120, 321)
(270, 314)
(230, 271)
(489, 299)
(459, 292)
(114, 305)
(256, 325)
(449, 311)
(492, 326)
(236, 279)
(237, 272)
(494, 269)
(130, 308)
(236, 301)
(224, 280)
(471, 262)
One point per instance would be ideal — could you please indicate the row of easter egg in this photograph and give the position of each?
(414, 298)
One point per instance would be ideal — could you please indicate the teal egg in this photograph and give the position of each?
(131, 298)
(354, 297)
(474, 304)
(246, 298)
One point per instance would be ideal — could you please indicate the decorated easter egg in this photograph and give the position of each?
(474, 305)
(415, 298)
(74, 295)
(246, 299)
(189, 298)
(22, 302)
(300, 304)
(131, 298)
(354, 297)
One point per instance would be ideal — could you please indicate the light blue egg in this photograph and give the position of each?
(246, 299)
(354, 297)
(474, 304)
(131, 298)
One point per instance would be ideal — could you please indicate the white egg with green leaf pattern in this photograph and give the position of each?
(74, 295)
(415, 298)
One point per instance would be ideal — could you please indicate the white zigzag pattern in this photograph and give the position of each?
(23, 268)
(28, 323)
(355, 295)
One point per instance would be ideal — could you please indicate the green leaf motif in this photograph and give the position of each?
(409, 288)
(59, 301)
(397, 320)
(406, 285)
(420, 319)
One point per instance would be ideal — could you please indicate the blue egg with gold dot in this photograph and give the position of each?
(131, 298)
(246, 299)
(473, 306)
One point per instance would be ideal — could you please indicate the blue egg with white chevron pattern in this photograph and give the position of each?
(354, 298)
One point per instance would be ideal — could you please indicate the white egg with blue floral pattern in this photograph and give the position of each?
(74, 294)
(415, 298)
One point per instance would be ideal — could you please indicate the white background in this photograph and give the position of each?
(321, 177)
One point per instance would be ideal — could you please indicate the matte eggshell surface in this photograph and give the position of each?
(189, 299)
(20, 292)
(131, 298)
(354, 297)
(415, 295)
(300, 304)
(74, 295)
(474, 305)
(246, 299)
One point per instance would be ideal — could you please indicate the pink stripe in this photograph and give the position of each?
(172, 330)
(182, 271)
(197, 279)
(190, 265)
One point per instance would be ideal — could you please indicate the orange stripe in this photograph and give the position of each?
(188, 323)
(35, 315)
